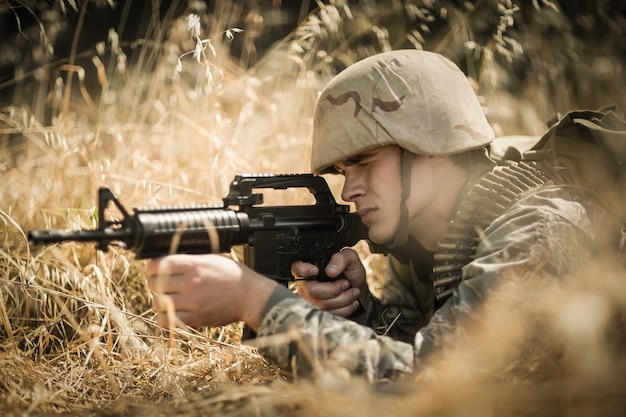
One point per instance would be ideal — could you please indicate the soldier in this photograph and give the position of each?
(408, 134)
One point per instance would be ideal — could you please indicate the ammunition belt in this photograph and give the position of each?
(488, 199)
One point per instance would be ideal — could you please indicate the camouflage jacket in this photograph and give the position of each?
(542, 232)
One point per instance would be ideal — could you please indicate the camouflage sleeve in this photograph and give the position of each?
(310, 339)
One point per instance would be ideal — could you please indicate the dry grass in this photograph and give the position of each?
(76, 330)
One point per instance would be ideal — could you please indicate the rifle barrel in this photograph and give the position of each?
(57, 236)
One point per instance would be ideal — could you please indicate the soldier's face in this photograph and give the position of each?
(372, 183)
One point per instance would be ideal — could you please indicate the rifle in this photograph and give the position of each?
(273, 237)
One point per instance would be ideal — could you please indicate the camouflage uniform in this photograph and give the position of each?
(548, 233)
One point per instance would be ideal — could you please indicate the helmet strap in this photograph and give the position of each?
(406, 165)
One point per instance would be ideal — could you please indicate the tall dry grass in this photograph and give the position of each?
(77, 334)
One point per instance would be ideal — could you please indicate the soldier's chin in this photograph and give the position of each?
(379, 237)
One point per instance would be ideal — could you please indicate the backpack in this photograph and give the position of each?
(592, 145)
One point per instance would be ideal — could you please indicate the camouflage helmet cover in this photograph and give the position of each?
(416, 99)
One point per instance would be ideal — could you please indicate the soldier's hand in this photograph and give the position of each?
(206, 290)
(341, 296)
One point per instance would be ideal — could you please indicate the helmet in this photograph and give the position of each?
(416, 99)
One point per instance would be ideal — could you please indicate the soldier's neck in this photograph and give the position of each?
(430, 226)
